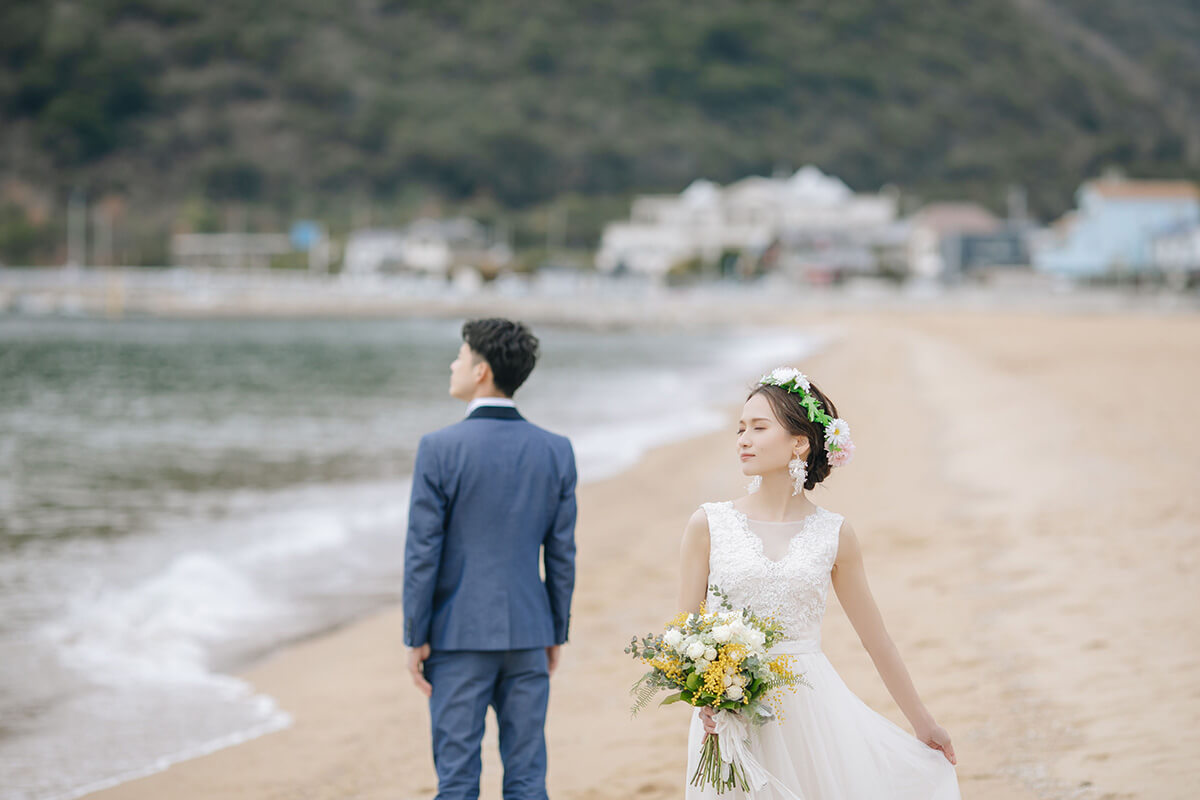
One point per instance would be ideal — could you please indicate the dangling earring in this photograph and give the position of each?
(798, 469)
(754, 485)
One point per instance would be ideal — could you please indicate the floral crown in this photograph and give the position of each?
(838, 446)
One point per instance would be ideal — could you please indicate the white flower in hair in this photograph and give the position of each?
(837, 432)
(781, 375)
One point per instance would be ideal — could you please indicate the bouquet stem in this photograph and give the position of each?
(712, 771)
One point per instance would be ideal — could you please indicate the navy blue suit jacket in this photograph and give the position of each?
(492, 496)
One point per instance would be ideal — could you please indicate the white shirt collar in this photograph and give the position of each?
(490, 401)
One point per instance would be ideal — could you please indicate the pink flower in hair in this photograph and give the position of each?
(840, 458)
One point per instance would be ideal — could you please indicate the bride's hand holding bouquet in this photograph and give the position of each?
(717, 660)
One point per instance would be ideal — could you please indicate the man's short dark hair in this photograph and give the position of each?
(508, 347)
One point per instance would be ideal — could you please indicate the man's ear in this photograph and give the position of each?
(483, 371)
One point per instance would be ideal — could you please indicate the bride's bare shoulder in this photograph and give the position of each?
(695, 536)
(698, 520)
(848, 548)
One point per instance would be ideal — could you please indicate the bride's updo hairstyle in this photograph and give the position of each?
(792, 416)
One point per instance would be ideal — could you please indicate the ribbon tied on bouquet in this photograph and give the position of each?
(733, 735)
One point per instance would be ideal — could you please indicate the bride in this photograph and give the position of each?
(777, 553)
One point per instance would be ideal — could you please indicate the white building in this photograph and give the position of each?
(372, 250)
(426, 245)
(748, 215)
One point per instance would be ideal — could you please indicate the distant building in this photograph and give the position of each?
(823, 256)
(1176, 251)
(373, 250)
(750, 215)
(1115, 226)
(937, 235)
(975, 252)
(253, 250)
(429, 246)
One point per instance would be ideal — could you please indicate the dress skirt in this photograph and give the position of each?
(830, 745)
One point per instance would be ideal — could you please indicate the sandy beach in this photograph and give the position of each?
(1024, 488)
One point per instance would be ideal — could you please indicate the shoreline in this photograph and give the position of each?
(992, 493)
(585, 299)
(666, 432)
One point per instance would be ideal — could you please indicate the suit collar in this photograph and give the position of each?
(495, 412)
(490, 401)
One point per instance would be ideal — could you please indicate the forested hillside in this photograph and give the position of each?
(301, 107)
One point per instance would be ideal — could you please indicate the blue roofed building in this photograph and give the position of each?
(1114, 228)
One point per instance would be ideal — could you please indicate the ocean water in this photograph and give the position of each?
(178, 498)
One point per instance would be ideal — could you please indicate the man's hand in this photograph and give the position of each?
(553, 653)
(416, 660)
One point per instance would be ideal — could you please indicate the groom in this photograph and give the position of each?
(491, 496)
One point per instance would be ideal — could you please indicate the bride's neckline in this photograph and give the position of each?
(747, 519)
(757, 543)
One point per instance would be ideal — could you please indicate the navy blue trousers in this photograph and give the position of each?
(465, 682)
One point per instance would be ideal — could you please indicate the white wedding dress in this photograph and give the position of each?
(829, 745)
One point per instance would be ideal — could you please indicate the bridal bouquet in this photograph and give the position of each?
(717, 659)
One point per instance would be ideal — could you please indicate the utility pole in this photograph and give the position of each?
(556, 227)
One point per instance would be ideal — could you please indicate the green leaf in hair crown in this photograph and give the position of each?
(814, 408)
(838, 445)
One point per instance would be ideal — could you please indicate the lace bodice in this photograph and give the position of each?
(792, 589)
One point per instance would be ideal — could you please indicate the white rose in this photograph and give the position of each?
(701, 666)
(721, 633)
(672, 638)
(729, 680)
(696, 650)
(710, 654)
(734, 693)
